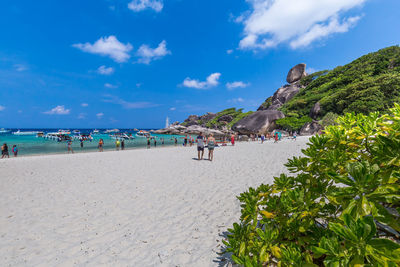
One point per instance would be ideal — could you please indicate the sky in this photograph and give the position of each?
(132, 63)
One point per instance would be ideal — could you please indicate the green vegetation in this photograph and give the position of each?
(235, 114)
(292, 123)
(340, 207)
(369, 83)
(329, 119)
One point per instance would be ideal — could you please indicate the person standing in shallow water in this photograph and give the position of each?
(4, 151)
(148, 142)
(69, 145)
(211, 146)
(101, 143)
(15, 150)
(122, 144)
(200, 146)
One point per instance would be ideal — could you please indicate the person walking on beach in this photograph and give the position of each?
(122, 144)
(185, 140)
(233, 139)
(294, 135)
(101, 143)
(211, 146)
(155, 142)
(69, 145)
(15, 150)
(4, 151)
(200, 146)
(276, 137)
(262, 138)
(176, 141)
(148, 142)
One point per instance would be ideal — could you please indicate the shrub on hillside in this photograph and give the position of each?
(340, 206)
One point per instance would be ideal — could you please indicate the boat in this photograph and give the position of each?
(58, 136)
(25, 133)
(95, 131)
(40, 134)
(64, 131)
(111, 131)
(120, 136)
(142, 133)
(3, 131)
(76, 131)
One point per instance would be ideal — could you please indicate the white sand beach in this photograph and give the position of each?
(156, 207)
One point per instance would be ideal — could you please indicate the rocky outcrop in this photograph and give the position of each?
(310, 128)
(259, 122)
(226, 118)
(207, 117)
(281, 96)
(296, 73)
(191, 120)
(315, 111)
(193, 129)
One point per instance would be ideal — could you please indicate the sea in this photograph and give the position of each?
(34, 145)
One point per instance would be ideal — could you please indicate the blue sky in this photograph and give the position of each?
(124, 63)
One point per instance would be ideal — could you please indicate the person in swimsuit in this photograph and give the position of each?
(4, 151)
(155, 142)
(117, 144)
(185, 140)
(233, 139)
(69, 145)
(81, 142)
(294, 135)
(200, 146)
(176, 141)
(101, 143)
(15, 150)
(211, 146)
(122, 144)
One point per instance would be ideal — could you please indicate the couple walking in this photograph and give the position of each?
(201, 140)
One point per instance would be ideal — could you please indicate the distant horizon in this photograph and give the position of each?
(122, 63)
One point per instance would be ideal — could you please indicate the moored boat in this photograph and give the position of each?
(25, 133)
(143, 133)
(3, 131)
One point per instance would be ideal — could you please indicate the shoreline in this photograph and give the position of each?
(138, 208)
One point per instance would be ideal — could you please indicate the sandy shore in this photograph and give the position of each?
(156, 207)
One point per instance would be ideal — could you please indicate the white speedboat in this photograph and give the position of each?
(111, 131)
(25, 133)
(142, 133)
(3, 131)
(64, 131)
(95, 131)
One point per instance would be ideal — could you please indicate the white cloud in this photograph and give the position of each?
(238, 84)
(2, 108)
(173, 109)
(310, 70)
(146, 54)
(229, 51)
(126, 104)
(59, 110)
(211, 81)
(236, 100)
(84, 105)
(100, 115)
(103, 70)
(111, 86)
(20, 67)
(108, 46)
(140, 5)
(299, 23)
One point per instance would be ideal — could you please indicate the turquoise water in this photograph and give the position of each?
(31, 145)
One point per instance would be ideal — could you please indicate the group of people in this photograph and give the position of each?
(4, 151)
(202, 142)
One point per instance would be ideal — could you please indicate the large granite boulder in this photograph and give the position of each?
(310, 128)
(191, 120)
(196, 129)
(258, 123)
(225, 118)
(207, 117)
(296, 73)
(281, 96)
(315, 111)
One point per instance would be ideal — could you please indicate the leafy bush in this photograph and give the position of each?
(340, 208)
(292, 123)
(329, 119)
